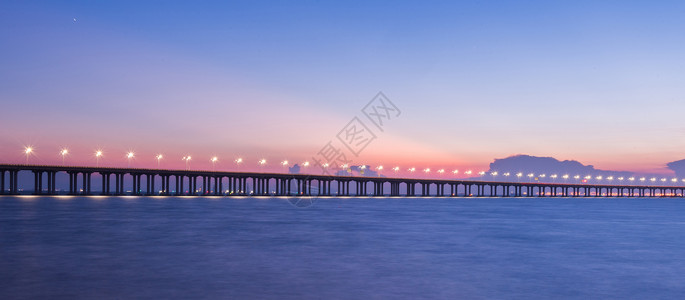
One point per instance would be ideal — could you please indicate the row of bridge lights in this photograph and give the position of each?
(131, 155)
(588, 177)
(262, 162)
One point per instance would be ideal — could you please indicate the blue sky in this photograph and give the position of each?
(596, 81)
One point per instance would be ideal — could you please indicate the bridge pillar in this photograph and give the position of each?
(14, 182)
(105, 185)
(37, 182)
(2, 182)
(73, 176)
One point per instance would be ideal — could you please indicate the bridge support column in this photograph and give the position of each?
(37, 182)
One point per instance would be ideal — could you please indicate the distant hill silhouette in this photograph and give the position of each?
(295, 169)
(678, 167)
(549, 165)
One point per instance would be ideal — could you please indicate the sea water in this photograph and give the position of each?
(341, 248)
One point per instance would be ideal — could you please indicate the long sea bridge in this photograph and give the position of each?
(220, 183)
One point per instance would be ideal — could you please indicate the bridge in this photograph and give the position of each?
(220, 183)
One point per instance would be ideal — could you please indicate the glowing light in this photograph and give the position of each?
(643, 179)
(396, 169)
(325, 165)
(441, 171)
(159, 157)
(599, 177)
(481, 173)
(28, 151)
(565, 176)
(284, 163)
(427, 170)
(411, 170)
(455, 172)
(554, 176)
(469, 172)
(98, 153)
(620, 178)
(576, 177)
(214, 160)
(631, 178)
(519, 174)
(187, 160)
(262, 162)
(64, 152)
(129, 156)
(305, 164)
(494, 173)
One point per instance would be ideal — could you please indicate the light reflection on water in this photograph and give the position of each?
(190, 247)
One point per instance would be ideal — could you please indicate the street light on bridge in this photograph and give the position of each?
(159, 157)
(129, 156)
(28, 152)
(187, 160)
(64, 153)
(98, 154)
(214, 160)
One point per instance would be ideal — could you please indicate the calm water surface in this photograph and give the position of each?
(409, 248)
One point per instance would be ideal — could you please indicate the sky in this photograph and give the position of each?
(600, 82)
